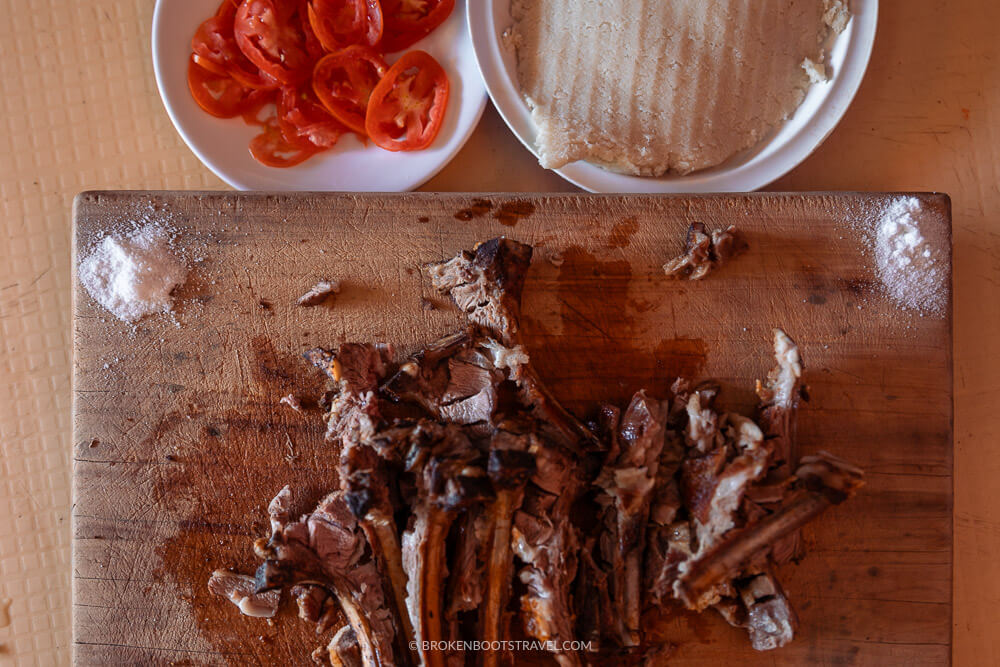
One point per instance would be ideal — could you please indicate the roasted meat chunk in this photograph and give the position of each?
(467, 497)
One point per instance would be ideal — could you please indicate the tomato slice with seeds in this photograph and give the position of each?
(304, 120)
(272, 150)
(341, 23)
(343, 81)
(214, 45)
(218, 94)
(409, 21)
(407, 107)
(270, 34)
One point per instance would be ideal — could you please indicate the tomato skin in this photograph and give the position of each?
(270, 34)
(342, 23)
(218, 94)
(409, 21)
(305, 121)
(343, 81)
(407, 107)
(272, 150)
(215, 46)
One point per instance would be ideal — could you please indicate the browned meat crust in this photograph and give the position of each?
(704, 252)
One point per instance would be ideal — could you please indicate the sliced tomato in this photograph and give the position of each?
(228, 9)
(341, 23)
(262, 108)
(219, 94)
(314, 47)
(407, 107)
(272, 150)
(343, 81)
(270, 34)
(409, 21)
(303, 120)
(215, 48)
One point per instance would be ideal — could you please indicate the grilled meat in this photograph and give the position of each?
(327, 548)
(448, 479)
(704, 252)
(344, 650)
(496, 488)
(822, 481)
(627, 481)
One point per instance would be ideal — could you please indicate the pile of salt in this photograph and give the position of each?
(133, 276)
(911, 271)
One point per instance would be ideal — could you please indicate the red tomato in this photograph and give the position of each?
(344, 81)
(407, 107)
(303, 120)
(341, 23)
(257, 111)
(271, 150)
(215, 48)
(219, 94)
(409, 21)
(270, 34)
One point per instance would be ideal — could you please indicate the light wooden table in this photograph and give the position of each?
(80, 110)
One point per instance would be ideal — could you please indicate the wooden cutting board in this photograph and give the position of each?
(180, 441)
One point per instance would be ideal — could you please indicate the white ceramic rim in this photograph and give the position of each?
(773, 157)
(221, 144)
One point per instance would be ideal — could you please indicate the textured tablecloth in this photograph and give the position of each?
(80, 111)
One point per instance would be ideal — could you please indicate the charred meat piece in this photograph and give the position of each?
(704, 252)
(241, 590)
(451, 379)
(511, 464)
(668, 548)
(823, 481)
(771, 622)
(466, 584)
(761, 607)
(352, 421)
(628, 481)
(714, 487)
(547, 546)
(327, 548)
(545, 540)
(443, 463)
(486, 285)
(315, 605)
(344, 650)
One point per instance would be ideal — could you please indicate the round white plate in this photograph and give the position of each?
(770, 159)
(222, 145)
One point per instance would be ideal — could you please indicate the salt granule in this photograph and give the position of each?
(133, 276)
(911, 272)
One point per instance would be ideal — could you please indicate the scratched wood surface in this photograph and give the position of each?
(180, 441)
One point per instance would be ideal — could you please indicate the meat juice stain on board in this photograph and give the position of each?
(622, 232)
(477, 209)
(234, 462)
(243, 466)
(512, 212)
(599, 354)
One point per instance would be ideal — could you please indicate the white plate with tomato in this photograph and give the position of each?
(344, 95)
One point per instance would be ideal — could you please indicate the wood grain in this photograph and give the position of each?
(180, 440)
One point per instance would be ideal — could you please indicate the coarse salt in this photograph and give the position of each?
(133, 276)
(911, 270)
